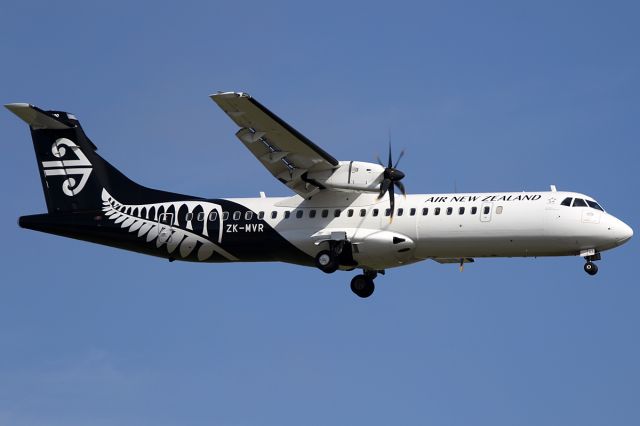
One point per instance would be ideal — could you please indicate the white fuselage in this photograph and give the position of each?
(441, 226)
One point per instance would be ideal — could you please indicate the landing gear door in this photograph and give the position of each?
(165, 227)
(485, 212)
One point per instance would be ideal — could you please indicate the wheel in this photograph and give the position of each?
(326, 262)
(590, 268)
(362, 286)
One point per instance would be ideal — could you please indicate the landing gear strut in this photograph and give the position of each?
(362, 285)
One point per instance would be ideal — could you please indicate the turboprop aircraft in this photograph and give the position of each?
(344, 214)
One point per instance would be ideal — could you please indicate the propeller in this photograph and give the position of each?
(391, 180)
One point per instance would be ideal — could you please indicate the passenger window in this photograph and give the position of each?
(236, 215)
(566, 202)
(350, 212)
(287, 214)
(486, 210)
(375, 212)
(499, 210)
(425, 211)
(299, 214)
(412, 212)
(189, 216)
(248, 215)
(461, 210)
(437, 211)
(336, 213)
(261, 215)
(201, 216)
(400, 211)
(325, 213)
(387, 212)
(274, 214)
(363, 212)
(594, 205)
(579, 202)
(449, 210)
(312, 213)
(225, 215)
(474, 210)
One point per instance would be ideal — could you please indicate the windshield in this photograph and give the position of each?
(579, 202)
(594, 205)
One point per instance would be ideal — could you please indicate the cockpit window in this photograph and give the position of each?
(566, 202)
(579, 202)
(595, 205)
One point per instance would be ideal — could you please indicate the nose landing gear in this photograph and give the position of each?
(590, 267)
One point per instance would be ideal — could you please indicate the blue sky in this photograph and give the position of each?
(496, 96)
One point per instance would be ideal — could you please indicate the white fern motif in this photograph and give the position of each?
(170, 235)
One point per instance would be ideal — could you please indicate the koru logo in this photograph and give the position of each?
(81, 167)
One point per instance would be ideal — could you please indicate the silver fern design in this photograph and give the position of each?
(159, 222)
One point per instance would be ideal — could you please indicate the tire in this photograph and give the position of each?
(326, 262)
(362, 286)
(590, 268)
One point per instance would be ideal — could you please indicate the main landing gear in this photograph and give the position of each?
(590, 267)
(327, 262)
(340, 254)
(362, 285)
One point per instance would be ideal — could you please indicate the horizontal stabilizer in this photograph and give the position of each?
(39, 119)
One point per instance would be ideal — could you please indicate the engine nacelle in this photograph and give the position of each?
(371, 248)
(382, 249)
(350, 176)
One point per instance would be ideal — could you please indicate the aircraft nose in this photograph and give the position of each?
(625, 233)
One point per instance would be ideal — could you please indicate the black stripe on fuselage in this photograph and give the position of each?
(252, 240)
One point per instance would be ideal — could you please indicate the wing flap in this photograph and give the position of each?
(444, 260)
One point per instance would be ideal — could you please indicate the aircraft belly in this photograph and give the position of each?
(506, 239)
(486, 246)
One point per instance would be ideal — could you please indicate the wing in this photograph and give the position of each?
(284, 151)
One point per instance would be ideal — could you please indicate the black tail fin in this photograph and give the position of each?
(73, 174)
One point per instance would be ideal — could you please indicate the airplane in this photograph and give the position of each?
(344, 215)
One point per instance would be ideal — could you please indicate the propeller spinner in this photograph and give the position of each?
(391, 180)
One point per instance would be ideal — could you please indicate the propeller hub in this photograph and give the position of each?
(393, 174)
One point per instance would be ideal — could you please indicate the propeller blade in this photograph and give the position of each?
(390, 162)
(400, 186)
(392, 203)
(399, 158)
(384, 187)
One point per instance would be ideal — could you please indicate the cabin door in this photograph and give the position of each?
(165, 227)
(485, 212)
